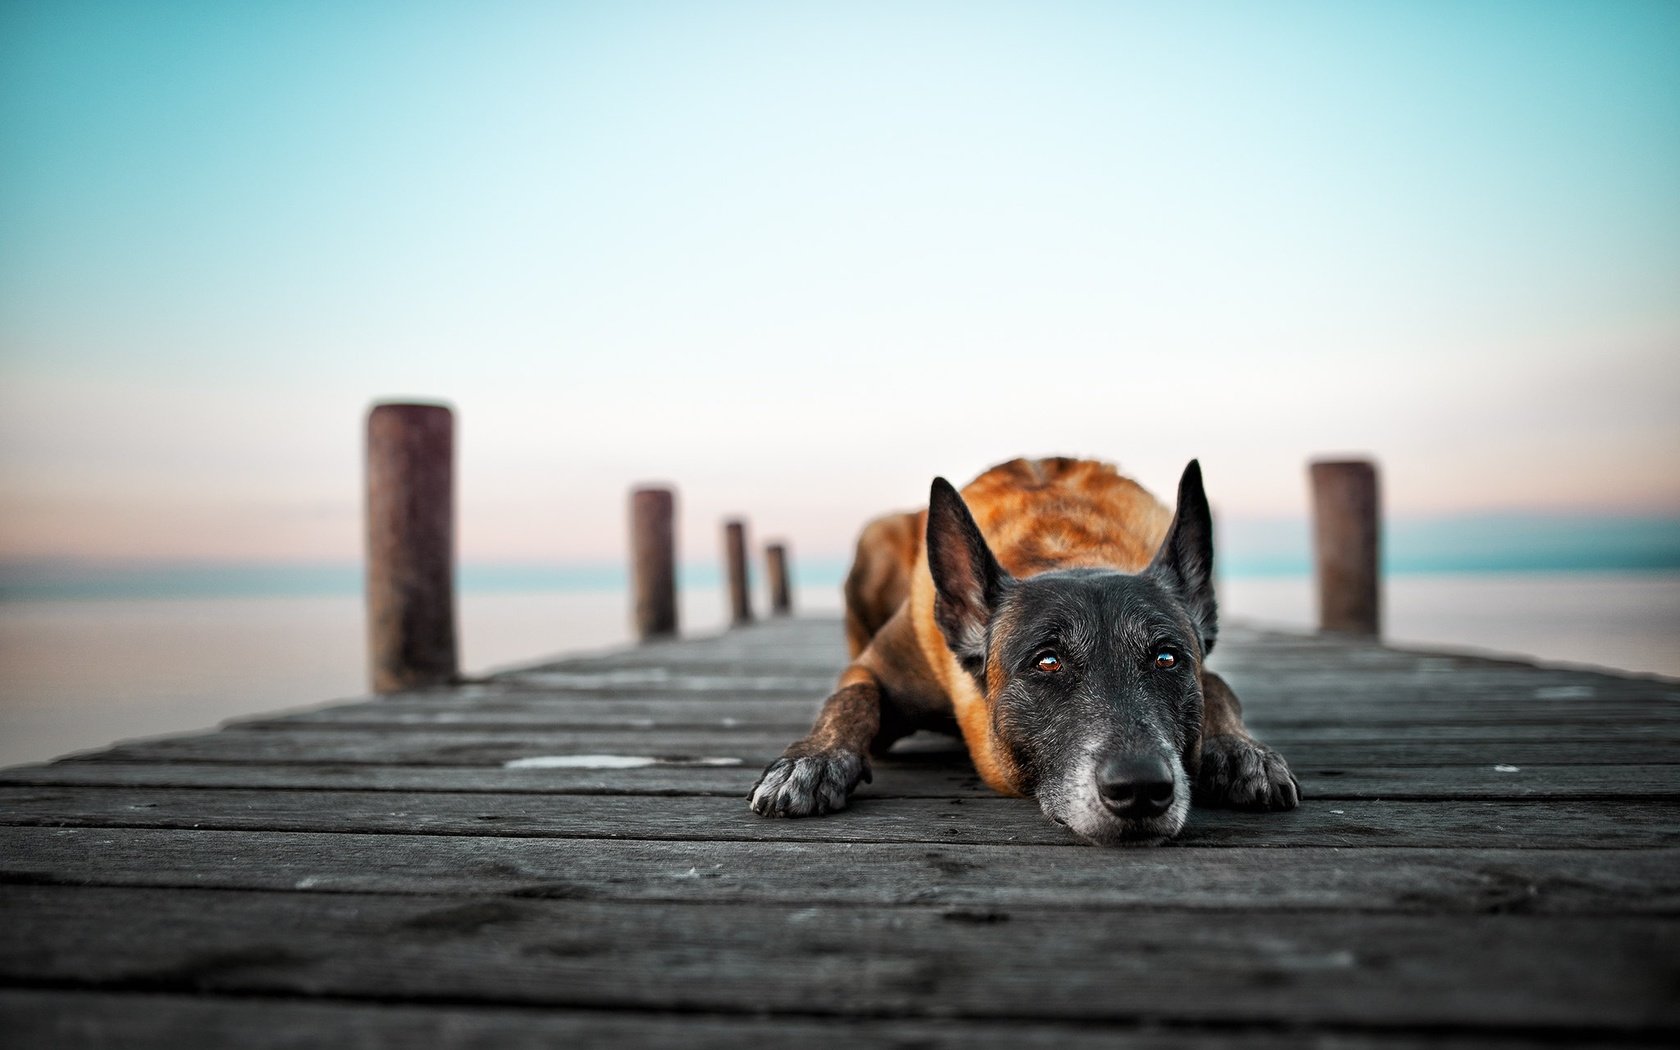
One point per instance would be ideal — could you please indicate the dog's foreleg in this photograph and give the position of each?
(1238, 770)
(817, 774)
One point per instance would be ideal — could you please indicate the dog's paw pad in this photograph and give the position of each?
(808, 785)
(1245, 774)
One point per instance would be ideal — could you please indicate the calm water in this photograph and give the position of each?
(78, 674)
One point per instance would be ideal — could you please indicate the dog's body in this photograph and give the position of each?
(1057, 616)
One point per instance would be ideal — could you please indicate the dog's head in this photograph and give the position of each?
(1091, 677)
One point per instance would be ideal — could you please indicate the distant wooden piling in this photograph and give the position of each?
(1347, 527)
(735, 562)
(776, 568)
(653, 561)
(411, 545)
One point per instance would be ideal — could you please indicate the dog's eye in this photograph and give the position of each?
(1165, 660)
(1047, 661)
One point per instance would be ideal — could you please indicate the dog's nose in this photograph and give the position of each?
(1136, 786)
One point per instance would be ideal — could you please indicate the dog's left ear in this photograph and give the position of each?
(1186, 555)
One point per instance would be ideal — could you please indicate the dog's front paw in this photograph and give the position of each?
(1245, 774)
(804, 783)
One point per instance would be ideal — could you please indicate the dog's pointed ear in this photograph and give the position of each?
(1186, 556)
(967, 580)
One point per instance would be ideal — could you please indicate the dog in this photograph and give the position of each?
(1058, 617)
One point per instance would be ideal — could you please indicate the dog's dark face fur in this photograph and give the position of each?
(1092, 676)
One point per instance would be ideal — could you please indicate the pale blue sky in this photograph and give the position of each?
(800, 258)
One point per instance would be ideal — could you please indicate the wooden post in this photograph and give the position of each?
(410, 545)
(735, 561)
(1347, 526)
(781, 591)
(653, 561)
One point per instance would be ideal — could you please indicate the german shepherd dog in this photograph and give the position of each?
(1058, 617)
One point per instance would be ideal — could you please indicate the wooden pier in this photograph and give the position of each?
(563, 856)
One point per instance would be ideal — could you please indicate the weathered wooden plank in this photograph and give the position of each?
(823, 633)
(818, 642)
(741, 663)
(983, 820)
(1534, 782)
(793, 721)
(1430, 697)
(1544, 881)
(755, 653)
(587, 711)
(944, 780)
(697, 682)
(1325, 747)
(440, 747)
(1314, 670)
(1426, 679)
(895, 777)
(1264, 682)
(59, 1020)
(1322, 669)
(1277, 968)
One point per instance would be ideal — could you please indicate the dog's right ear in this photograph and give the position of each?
(967, 580)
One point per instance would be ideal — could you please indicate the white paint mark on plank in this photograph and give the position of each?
(1502, 768)
(1333, 960)
(610, 762)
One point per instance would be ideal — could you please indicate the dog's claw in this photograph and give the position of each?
(1245, 774)
(810, 784)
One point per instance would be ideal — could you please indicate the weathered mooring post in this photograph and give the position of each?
(410, 545)
(735, 563)
(1347, 539)
(653, 561)
(776, 569)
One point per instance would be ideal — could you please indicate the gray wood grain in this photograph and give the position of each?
(1604, 744)
(930, 776)
(1352, 823)
(1263, 968)
(1434, 881)
(632, 710)
(58, 1020)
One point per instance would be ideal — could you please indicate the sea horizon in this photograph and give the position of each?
(1505, 543)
